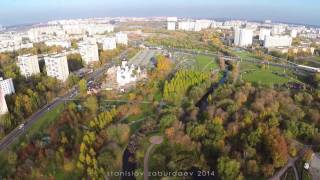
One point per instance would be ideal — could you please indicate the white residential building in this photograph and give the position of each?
(243, 37)
(63, 43)
(3, 103)
(57, 66)
(277, 41)
(37, 34)
(89, 52)
(109, 43)
(171, 23)
(264, 33)
(186, 25)
(93, 29)
(278, 29)
(29, 65)
(6, 86)
(122, 38)
(293, 33)
(202, 24)
(74, 28)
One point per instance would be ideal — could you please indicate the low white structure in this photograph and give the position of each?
(6, 86)
(28, 65)
(89, 51)
(171, 23)
(264, 33)
(125, 74)
(57, 66)
(109, 43)
(277, 41)
(122, 38)
(243, 37)
(3, 103)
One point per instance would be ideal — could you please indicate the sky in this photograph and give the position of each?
(13, 12)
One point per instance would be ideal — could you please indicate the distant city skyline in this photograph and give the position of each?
(14, 12)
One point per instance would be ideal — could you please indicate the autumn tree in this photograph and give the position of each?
(277, 146)
(228, 168)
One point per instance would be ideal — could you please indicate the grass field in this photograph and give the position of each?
(244, 54)
(269, 76)
(205, 63)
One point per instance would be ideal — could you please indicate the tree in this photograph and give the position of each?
(12, 158)
(74, 62)
(316, 80)
(268, 170)
(83, 86)
(167, 120)
(73, 80)
(228, 169)
(277, 146)
(235, 71)
(163, 65)
(253, 167)
(91, 104)
(222, 63)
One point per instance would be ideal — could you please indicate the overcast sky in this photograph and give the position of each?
(28, 11)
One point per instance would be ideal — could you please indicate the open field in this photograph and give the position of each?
(205, 63)
(199, 62)
(268, 76)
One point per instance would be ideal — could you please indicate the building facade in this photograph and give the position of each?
(62, 43)
(28, 65)
(122, 38)
(6, 86)
(57, 66)
(264, 33)
(186, 25)
(243, 37)
(89, 52)
(3, 103)
(171, 23)
(109, 43)
(277, 41)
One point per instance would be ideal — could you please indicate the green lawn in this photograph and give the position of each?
(245, 54)
(205, 63)
(253, 73)
(264, 77)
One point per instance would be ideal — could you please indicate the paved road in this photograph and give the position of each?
(16, 133)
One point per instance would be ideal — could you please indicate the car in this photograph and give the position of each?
(21, 126)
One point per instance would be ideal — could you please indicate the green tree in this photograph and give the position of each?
(91, 104)
(167, 120)
(83, 86)
(228, 169)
